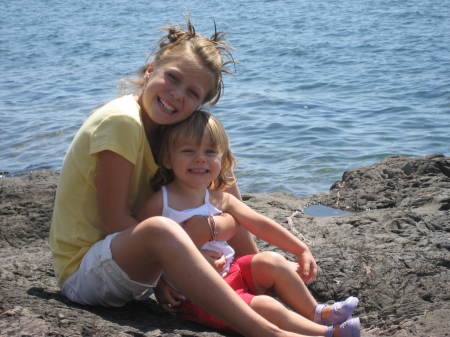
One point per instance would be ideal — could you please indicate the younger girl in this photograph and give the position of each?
(196, 164)
(102, 254)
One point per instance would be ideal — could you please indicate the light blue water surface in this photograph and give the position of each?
(321, 87)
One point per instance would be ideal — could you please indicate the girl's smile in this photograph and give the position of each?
(166, 106)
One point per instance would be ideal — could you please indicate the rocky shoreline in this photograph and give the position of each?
(391, 250)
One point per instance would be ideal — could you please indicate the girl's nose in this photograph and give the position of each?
(200, 158)
(177, 93)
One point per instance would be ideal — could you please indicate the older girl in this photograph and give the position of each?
(102, 254)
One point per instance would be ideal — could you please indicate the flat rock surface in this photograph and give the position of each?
(391, 250)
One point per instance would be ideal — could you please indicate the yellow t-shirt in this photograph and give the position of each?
(116, 126)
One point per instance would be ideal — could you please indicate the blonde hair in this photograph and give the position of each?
(193, 128)
(214, 53)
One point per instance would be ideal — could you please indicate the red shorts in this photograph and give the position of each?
(240, 279)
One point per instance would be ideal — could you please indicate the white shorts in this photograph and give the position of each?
(100, 281)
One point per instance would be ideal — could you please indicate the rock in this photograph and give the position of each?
(391, 250)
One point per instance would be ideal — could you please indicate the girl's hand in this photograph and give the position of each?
(307, 267)
(167, 297)
(215, 259)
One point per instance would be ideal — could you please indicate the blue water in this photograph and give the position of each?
(321, 87)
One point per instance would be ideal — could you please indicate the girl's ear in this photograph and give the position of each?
(150, 69)
(166, 163)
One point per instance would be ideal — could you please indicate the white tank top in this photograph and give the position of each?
(205, 209)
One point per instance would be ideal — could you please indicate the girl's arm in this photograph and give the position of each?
(112, 180)
(270, 231)
(152, 207)
(242, 242)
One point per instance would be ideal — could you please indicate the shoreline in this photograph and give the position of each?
(246, 182)
(391, 250)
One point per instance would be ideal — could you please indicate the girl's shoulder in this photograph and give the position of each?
(119, 116)
(120, 106)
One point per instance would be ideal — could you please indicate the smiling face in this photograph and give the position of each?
(197, 151)
(195, 164)
(174, 89)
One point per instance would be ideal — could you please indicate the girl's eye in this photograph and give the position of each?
(193, 93)
(172, 77)
(187, 150)
(212, 152)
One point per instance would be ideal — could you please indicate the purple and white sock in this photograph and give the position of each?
(340, 311)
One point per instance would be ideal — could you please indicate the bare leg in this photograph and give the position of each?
(272, 271)
(284, 318)
(158, 244)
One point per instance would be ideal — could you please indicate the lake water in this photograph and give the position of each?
(321, 87)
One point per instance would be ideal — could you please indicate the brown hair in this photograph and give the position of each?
(213, 52)
(193, 128)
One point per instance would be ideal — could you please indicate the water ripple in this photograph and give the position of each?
(321, 87)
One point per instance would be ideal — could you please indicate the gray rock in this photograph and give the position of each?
(391, 250)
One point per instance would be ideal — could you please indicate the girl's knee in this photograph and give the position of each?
(142, 250)
(159, 228)
(269, 260)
